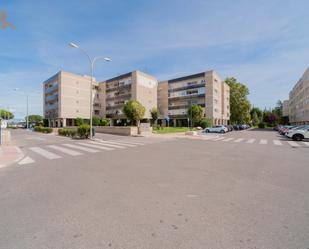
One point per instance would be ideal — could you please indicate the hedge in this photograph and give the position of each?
(83, 131)
(43, 129)
(67, 132)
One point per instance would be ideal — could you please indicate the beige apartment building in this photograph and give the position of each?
(299, 101)
(135, 85)
(205, 89)
(67, 96)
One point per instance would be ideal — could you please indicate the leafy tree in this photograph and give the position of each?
(35, 119)
(79, 121)
(154, 114)
(134, 111)
(270, 118)
(255, 119)
(206, 122)
(95, 121)
(278, 109)
(258, 111)
(239, 103)
(104, 122)
(4, 114)
(197, 114)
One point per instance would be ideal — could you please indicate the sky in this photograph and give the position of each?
(262, 43)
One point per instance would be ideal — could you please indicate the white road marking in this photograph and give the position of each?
(65, 150)
(26, 160)
(126, 142)
(81, 148)
(110, 142)
(45, 153)
(108, 145)
(263, 141)
(293, 144)
(277, 142)
(95, 146)
(218, 139)
(228, 139)
(251, 141)
(239, 140)
(306, 143)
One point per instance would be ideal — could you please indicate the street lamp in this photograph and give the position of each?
(92, 62)
(27, 117)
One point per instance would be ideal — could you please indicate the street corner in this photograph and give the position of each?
(9, 155)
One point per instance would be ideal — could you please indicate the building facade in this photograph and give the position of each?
(299, 101)
(285, 108)
(135, 85)
(67, 96)
(205, 89)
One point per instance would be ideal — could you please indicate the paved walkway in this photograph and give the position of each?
(9, 155)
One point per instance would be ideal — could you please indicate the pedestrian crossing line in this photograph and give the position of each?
(263, 141)
(218, 139)
(108, 145)
(251, 141)
(239, 140)
(228, 139)
(129, 145)
(81, 148)
(45, 153)
(293, 144)
(65, 150)
(277, 142)
(26, 160)
(95, 146)
(127, 142)
(306, 143)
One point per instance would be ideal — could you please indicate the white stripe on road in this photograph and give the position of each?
(95, 146)
(218, 139)
(277, 142)
(293, 144)
(81, 148)
(65, 150)
(263, 141)
(306, 143)
(110, 142)
(251, 141)
(45, 153)
(26, 160)
(239, 140)
(228, 139)
(126, 142)
(108, 145)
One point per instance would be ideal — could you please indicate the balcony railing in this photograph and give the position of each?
(51, 97)
(50, 107)
(51, 89)
(186, 87)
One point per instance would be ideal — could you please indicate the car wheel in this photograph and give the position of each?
(222, 131)
(298, 137)
(207, 131)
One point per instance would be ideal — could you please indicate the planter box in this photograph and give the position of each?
(117, 130)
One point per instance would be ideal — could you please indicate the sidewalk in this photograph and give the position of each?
(9, 154)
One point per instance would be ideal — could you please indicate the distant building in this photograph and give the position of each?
(299, 101)
(205, 89)
(285, 108)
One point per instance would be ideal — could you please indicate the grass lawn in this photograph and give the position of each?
(165, 130)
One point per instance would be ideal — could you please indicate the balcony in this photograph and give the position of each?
(186, 87)
(51, 107)
(51, 97)
(51, 89)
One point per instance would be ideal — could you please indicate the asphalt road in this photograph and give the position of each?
(158, 193)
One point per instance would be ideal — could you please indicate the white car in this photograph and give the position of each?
(299, 134)
(217, 128)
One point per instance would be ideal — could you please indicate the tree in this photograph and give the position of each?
(258, 111)
(35, 119)
(196, 113)
(79, 121)
(206, 122)
(271, 118)
(239, 103)
(255, 119)
(134, 111)
(278, 109)
(154, 114)
(95, 121)
(4, 114)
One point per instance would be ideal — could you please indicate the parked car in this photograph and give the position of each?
(285, 129)
(229, 127)
(299, 134)
(217, 128)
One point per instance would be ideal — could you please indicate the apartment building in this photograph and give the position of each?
(205, 89)
(299, 101)
(135, 85)
(67, 96)
(285, 108)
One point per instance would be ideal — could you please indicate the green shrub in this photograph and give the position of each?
(206, 122)
(104, 122)
(96, 121)
(68, 132)
(43, 129)
(83, 131)
(261, 125)
(79, 121)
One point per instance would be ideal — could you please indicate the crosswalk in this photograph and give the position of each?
(79, 148)
(262, 141)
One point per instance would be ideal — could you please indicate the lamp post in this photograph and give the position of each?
(92, 62)
(27, 106)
